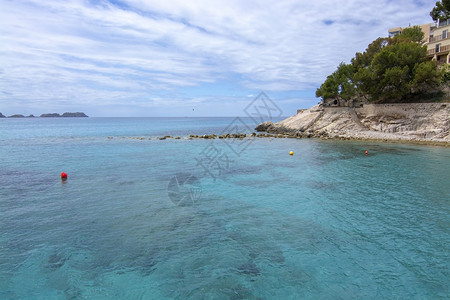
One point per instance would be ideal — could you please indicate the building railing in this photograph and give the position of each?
(445, 48)
(442, 49)
(435, 38)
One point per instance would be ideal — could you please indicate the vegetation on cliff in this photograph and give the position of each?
(394, 69)
(390, 70)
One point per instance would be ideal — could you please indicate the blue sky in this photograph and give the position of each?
(181, 58)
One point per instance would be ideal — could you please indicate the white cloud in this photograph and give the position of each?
(145, 52)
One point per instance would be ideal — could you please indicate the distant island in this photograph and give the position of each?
(65, 115)
(50, 115)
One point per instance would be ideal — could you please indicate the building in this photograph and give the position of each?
(438, 44)
(436, 38)
(426, 28)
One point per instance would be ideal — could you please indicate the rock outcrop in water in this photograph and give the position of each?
(421, 122)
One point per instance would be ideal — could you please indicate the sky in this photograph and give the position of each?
(142, 58)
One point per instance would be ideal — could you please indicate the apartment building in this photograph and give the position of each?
(438, 44)
(436, 38)
(426, 28)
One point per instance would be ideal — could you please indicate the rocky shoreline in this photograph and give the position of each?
(417, 123)
(423, 123)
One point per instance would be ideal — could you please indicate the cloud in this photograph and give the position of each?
(145, 53)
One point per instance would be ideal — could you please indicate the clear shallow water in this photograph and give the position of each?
(325, 223)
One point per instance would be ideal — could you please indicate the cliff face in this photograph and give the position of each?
(409, 121)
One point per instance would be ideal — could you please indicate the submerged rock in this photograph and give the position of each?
(57, 260)
(249, 269)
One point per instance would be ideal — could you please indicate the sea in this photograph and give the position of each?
(141, 216)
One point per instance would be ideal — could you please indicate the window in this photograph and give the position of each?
(444, 34)
(394, 33)
(438, 46)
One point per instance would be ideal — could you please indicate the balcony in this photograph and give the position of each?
(442, 49)
(445, 48)
(435, 38)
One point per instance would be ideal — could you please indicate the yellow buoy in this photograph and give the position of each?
(291, 153)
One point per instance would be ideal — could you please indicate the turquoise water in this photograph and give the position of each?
(142, 218)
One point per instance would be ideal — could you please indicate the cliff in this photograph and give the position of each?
(421, 122)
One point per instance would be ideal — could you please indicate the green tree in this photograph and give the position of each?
(398, 71)
(390, 70)
(329, 89)
(441, 10)
(363, 60)
(426, 76)
(414, 34)
(338, 85)
(445, 74)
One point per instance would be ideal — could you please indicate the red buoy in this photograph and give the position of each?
(367, 152)
(64, 176)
